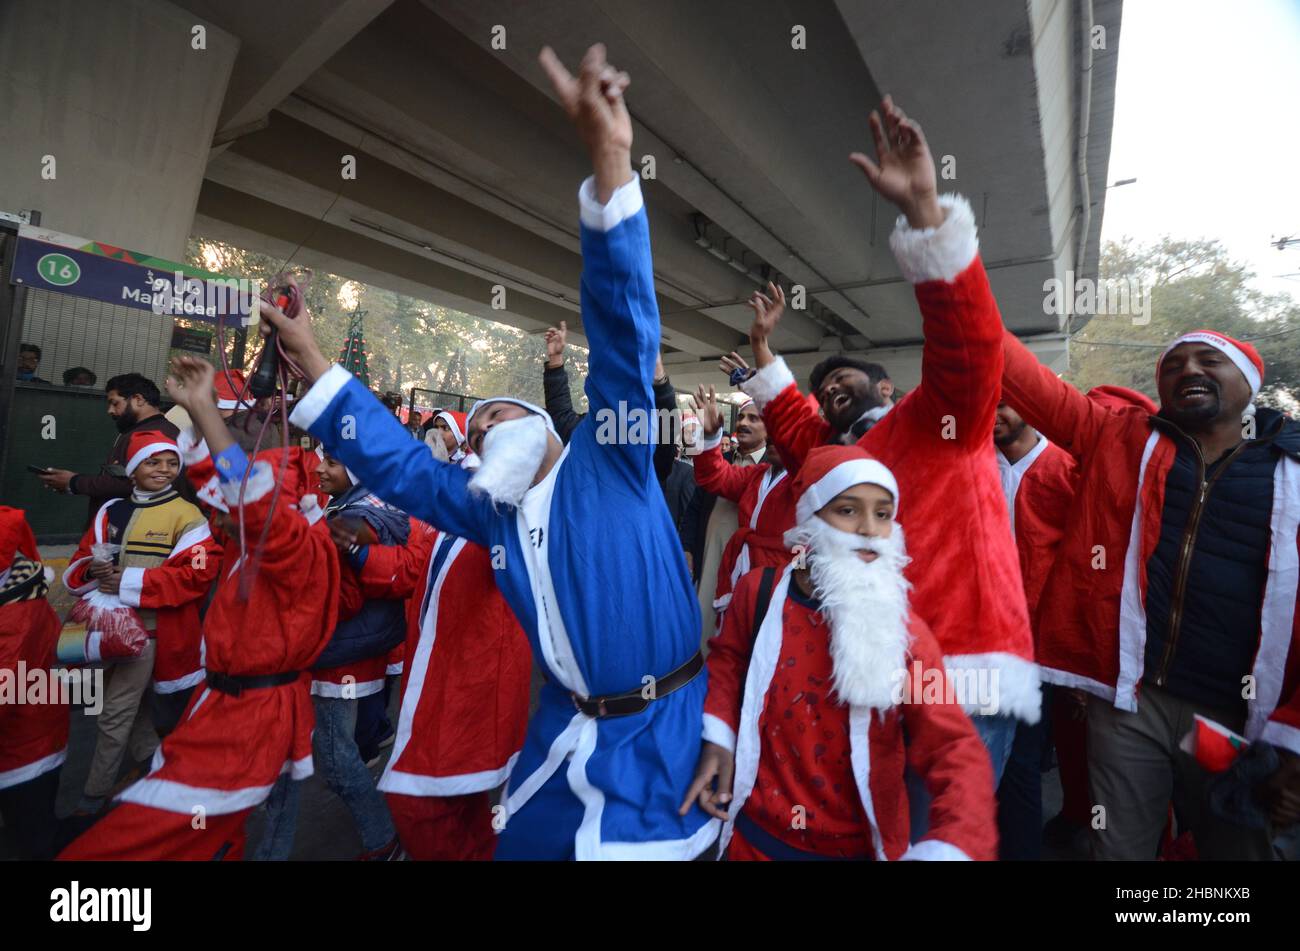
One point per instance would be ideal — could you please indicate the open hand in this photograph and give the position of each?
(189, 383)
(905, 175)
(57, 480)
(706, 405)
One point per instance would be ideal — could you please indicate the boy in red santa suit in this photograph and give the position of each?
(252, 721)
(810, 694)
(465, 685)
(761, 492)
(167, 563)
(33, 735)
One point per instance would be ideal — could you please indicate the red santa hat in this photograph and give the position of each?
(229, 387)
(16, 537)
(829, 470)
(146, 443)
(1243, 356)
(456, 420)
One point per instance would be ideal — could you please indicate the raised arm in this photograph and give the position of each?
(620, 315)
(712, 472)
(555, 384)
(1049, 404)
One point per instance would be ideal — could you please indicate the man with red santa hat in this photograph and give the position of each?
(253, 719)
(33, 736)
(936, 439)
(814, 679)
(761, 493)
(464, 709)
(1175, 590)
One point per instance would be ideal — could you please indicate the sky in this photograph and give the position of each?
(1207, 119)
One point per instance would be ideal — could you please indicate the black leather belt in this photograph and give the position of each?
(235, 685)
(634, 701)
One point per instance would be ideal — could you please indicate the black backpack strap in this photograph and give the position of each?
(764, 598)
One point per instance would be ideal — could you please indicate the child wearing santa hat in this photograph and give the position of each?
(166, 564)
(33, 736)
(818, 672)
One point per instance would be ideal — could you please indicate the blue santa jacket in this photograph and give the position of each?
(593, 545)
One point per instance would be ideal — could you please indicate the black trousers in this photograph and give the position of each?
(28, 811)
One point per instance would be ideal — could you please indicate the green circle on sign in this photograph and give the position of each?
(58, 269)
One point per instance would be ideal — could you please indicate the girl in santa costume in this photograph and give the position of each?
(33, 736)
(819, 671)
(762, 496)
(252, 721)
(166, 565)
(465, 687)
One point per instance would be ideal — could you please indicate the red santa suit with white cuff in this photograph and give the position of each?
(33, 736)
(464, 707)
(253, 719)
(936, 441)
(817, 777)
(765, 510)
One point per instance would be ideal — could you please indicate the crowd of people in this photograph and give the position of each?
(857, 633)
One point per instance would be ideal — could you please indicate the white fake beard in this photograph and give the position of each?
(865, 605)
(512, 453)
(433, 439)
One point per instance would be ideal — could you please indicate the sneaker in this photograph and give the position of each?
(392, 852)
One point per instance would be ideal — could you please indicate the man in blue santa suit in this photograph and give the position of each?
(585, 550)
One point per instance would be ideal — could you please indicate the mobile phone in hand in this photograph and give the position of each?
(39, 470)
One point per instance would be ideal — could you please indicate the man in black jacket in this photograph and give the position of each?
(133, 403)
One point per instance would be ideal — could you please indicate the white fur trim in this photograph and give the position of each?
(937, 254)
(531, 407)
(934, 850)
(1063, 678)
(1277, 613)
(192, 448)
(261, 482)
(711, 442)
(1224, 346)
(841, 477)
(394, 670)
(320, 396)
(72, 566)
(131, 586)
(719, 733)
(309, 508)
(1019, 689)
(152, 449)
(1132, 612)
(768, 383)
(29, 771)
(1279, 734)
(415, 784)
(454, 426)
(623, 204)
(180, 683)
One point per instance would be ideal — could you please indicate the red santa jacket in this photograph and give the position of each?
(360, 678)
(175, 589)
(937, 441)
(33, 736)
(941, 746)
(465, 686)
(1038, 490)
(1092, 619)
(229, 750)
(765, 510)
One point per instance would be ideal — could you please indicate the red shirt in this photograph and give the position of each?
(805, 759)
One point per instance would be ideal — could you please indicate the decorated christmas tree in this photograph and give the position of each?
(353, 355)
